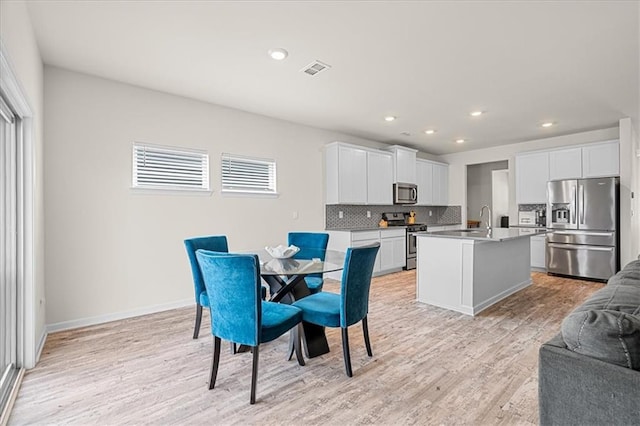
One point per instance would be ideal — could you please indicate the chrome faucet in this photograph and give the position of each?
(489, 218)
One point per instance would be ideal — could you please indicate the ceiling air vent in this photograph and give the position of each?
(315, 67)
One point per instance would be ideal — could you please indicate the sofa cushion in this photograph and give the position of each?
(630, 275)
(607, 326)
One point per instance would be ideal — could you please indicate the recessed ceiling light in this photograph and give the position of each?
(460, 140)
(389, 118)
(476, 113)
(278, 54)
(548, 124)
(430, 131)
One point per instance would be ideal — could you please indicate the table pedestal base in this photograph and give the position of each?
(294, 288)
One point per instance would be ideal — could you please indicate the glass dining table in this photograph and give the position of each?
(285, 278)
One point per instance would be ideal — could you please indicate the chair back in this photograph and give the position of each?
(356, 282)
(234, 289)
(213, 243)
(312, 245)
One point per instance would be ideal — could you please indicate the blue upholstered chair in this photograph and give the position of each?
(241, 316)
(216, 243)
(312, 245)
(351, 305)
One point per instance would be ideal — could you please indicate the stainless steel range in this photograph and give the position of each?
(401, 219)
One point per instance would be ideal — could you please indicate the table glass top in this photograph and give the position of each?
(305, 262)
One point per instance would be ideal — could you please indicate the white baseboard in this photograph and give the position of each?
(100, 319)
(503, 295)
(43, 339)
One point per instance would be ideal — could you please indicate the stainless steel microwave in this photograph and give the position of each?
(405, 193)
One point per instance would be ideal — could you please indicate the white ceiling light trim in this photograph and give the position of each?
(476, 113)
(430, 131)
(278, 54)
(390, 118)
(460, 141)
(547, 124)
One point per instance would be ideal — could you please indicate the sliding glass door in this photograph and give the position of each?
(8, 250)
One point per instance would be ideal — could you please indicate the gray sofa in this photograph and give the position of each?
(589, 374)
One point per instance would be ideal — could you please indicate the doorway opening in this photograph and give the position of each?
(488, 184)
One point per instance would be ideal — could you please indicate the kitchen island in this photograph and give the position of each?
(471, 269)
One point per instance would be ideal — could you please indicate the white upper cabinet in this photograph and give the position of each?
(424, 180)
(433, 183)
(379, 178)
(534, 169)
(404, 164)
(357, 175)
(601, 159)
(532, 174)
(440, 184)
(565, 164)
(585, 161)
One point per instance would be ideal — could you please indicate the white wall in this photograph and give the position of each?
(111, 251)
(628, 186)
(18, 40)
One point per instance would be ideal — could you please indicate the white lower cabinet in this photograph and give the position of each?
(538, 260)
(392, 252)
(391, 256)
(538, 249)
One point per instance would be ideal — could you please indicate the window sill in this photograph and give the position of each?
(249, 194)
(173, 191)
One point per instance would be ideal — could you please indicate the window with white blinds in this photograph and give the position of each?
(248, 175)
(158, 167)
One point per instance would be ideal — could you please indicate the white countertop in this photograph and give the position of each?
(481, 234)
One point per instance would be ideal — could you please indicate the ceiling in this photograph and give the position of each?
(428, 63)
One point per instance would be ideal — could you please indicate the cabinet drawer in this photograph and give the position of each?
(392, 233)
(365, 235)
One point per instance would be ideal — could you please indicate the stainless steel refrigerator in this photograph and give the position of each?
(583, 220)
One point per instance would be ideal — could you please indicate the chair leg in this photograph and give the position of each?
(196, 329)
(292, 346)
(296, 332)
(254, 374)
(233, 348)
(214, 362)
(345, 351)
(365, 331)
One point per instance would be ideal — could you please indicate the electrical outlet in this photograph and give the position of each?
(430, 213)
(368, 213)
(340, 214)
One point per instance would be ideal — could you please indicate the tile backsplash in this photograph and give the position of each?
(531, 207)
(355, 216)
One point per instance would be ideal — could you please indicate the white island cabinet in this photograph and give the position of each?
(469, 270)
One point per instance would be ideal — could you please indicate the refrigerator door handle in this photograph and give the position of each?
(581, 204)
(598, 234)
(574, 203)
(580, 247)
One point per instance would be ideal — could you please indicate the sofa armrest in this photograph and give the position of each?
(575, 389)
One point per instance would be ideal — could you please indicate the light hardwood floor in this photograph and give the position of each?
(429, 366)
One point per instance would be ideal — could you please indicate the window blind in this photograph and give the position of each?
(249, 175)
(157, 167)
